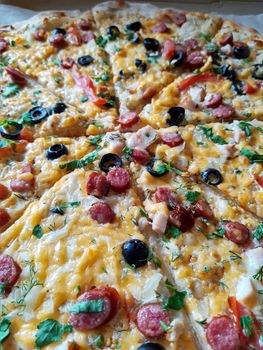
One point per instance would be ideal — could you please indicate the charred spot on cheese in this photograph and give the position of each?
(151, 44)
(176, 115)
(151, 346)
(10, 129)
(134, 26)
(157, 168)
(85, 60)
(37, 114)
(135, 252)
(59, 107)
(178, 58)
(109, 161)
(258, 71)
(211, 176)
(56, 151)
(113, 32)
(141, 65)
(227, 72)
(59, 31)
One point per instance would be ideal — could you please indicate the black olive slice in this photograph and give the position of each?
(37, 114)
(258, 72)
(59, 31)
(85, 60)
(56, 151)
(135, 252)
(108, 161)
(134, 26)
(241, 51)
(151, 346)
(211, 176)
(156, 168)
(227, 72)
(151, 44)
(176, 115)
(59, 107)
(178, 58)
(11, 130)
(238, 87)
(121, 74)
(141, 65)
(113, 32)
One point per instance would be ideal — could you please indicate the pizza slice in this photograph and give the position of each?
(59, 50)
(148, 47)
(201, 98)
(85, 277)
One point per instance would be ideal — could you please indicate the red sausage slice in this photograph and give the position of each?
(102, 213)
(222, 334)
(140, 155)
(201, 208)
(97, 185)
(148, 320)
(3, 45)
(224, 112)
(181, 218)
(119, 179)
(58, 41)
(160, 28)
(21, 185)
(9, 271)
(236, 232)
(90, 320)
(4, 192)
(85, 25)
(227, 39)
(179, 18)
(195, 59)
(16, 76)
(67, 63)
(172, 139)
(128, 119)
(40, 35)
(190, 45)
(169, 48)
(166, 195)
(86, 37)
(4, 217)
(214, 101)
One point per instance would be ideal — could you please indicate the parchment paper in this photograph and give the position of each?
(10, 14)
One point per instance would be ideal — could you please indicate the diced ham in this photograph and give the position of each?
(159, 222)
(143, 138)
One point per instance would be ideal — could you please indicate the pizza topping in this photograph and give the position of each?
(236, 232)
(181, 218)
(3, 45)
(160, 28)
(109, 161)
(128, 119)
(85, 60)
(227, 72)
(151, 346)
(97, 185)
(4, 217)
(172, 139)
(238, 87)
(119, 179)
(178, 58)
(16, 76)
(222, 334)
(140, 155)
(113, 32)
(142, 65)
(67, 62)
(56, 151)
(227, 39)
(169, 48)
(10, 129)
(94, 308)
(59, 107)
(224, 111)
(195, 79)
(166, 195)
(9, 272)
(25, 183)
(85, 25)
(258, 71)
(135, 253)
(240, 50)
(58, 41)
(213, 100)
(87, 37)
(250, 89)
(157, 168)
(102, 213)
(4, 192)
(151, 44)
(149, 319)
(211, 176)
(176, 115)
(73, 36)
(40, 35)
(202, 208)
(159, 222)
(195, 59)
(179, 18)
(134, 26)
(59, 31)
(191, 45)
(37, 114)
(142, 138)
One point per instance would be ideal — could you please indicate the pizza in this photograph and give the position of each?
(131, 181)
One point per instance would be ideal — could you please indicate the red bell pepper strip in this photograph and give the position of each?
(198, 78)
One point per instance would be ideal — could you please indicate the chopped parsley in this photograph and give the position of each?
(234, 256)
(101, 42)
(128, 152)
(259, 275)
(4, 329)
(3, 62)
(164, 326)
(50, 331)
(80, 163)
(95, 305)
(93, 140)
(205, 36)
(97, 341)
(258, 233)
(192, 196)
(11, 89)
(214, 138)
(37, 231)
(246, 127)
(202, 322)
(246, 323)
(176, 301)
(60, 208)
(84, 99)
(253, 157)
(173, 232)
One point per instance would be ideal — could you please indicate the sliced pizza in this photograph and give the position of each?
(76, 273)
(149, 47)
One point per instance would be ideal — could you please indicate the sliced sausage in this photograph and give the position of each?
(181, 218)
(87, 37)
(67, 63)
(169, 49)
(202, 208)
(148, 319)
(74, 37)
(23, 185)
(90, 320)
(102, 213)
(4, 217)
(195, 59)
(58, 41)
(16, 76)
(84, 25)
(236, 232)
(166, 195)
(224, 112)
(140, 155)
(227, 39)
(97, 185)
(129, 119)
(222, 334)
(160, 28)
(172, 139)
(40, 35)
(9, 272)
(26, 134)
(3, 45)
(179, 18)
(214, 101)
(119, 179)
(4, 192)
(259, 179)
(191, 45)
